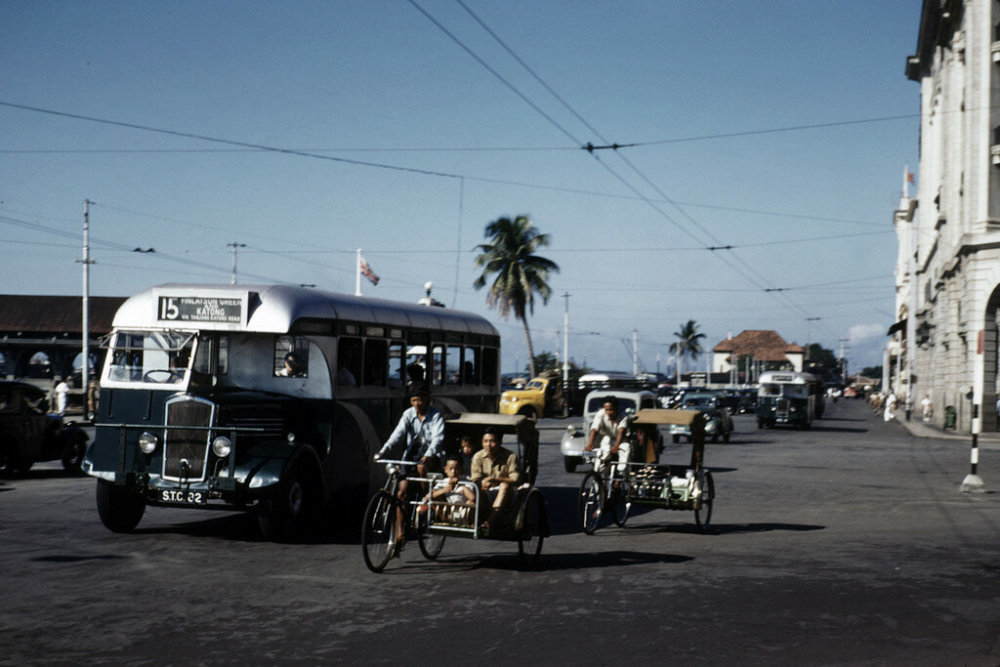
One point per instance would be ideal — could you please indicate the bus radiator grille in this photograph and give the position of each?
(185, 450)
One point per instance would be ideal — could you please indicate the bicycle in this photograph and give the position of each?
(604, 487)
(379, 530)
(650, 484)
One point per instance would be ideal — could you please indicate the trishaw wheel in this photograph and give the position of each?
(703, 515)
(378, 531)
(622, 504)
(591, 503)
(431, 544)
(533, 525)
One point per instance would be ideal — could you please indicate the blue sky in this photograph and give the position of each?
(777, 128)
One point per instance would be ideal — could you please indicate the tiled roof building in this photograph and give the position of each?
(756, 350)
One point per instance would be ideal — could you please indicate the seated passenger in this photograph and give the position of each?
(465, 455)
(495, 469)
(451, 491)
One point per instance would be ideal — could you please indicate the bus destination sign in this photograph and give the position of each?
(200, 309)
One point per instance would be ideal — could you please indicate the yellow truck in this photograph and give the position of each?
(541, 397)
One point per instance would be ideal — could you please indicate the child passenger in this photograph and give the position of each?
(465, 456)
(459, 497)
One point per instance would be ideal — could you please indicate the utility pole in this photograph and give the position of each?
(565, 360)
(86, 261)
(843, 374)
(635, 352)
(809, 321)
(234, 246)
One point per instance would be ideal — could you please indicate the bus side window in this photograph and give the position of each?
(296, 350)
(397, 373)
(439, 364)
(470, 365)
(376, 362)
(348, 361)
(491, 365)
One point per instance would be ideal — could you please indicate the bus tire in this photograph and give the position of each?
(120, 509)
(291, 508)
(528, 412)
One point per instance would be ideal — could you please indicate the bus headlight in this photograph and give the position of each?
(147, 442)
(222, 446)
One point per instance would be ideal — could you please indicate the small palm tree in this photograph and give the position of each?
(519, 272)
(688, 344)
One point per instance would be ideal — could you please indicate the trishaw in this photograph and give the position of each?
(431, 521)
(644, 481)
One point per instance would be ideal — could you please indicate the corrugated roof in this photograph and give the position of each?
(36, 314)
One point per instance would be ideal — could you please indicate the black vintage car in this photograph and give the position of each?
(29, 434)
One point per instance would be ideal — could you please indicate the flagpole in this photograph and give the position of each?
(357, 275)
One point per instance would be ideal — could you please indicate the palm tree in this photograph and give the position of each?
(688, 344)
(520, 273)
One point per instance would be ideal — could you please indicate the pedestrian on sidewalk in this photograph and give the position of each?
(927, 408)
(890, 405)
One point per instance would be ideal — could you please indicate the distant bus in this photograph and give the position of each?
(789, 398)
(199, 410)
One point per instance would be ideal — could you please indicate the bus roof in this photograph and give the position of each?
(787, 377)
(276, 308)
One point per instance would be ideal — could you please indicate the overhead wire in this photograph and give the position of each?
(717, 246)
(747, 272)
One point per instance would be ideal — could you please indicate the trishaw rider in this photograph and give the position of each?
(610, 428)
(421, 427)
(495, 470)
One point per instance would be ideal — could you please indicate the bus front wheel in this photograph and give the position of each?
(286, 514)
(120, 510)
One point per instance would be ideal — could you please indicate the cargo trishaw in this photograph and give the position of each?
(613, 488)
(430, 522)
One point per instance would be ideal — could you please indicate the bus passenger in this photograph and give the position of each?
(421, 431)
(494, 469)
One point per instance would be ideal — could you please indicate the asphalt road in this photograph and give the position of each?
(845, 544)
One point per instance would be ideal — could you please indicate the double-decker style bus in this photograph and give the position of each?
(790, 398)
(270, 398)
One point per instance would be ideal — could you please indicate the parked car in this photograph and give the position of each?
(748, 401)
(29, 433)
(718, 421)
(575, 438)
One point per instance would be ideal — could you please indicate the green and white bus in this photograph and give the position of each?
(199, 410)
(789, 398)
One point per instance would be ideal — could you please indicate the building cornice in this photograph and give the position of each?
(939, 19)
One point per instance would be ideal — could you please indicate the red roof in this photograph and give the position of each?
(762, 345)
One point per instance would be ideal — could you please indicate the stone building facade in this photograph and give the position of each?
(944, 341)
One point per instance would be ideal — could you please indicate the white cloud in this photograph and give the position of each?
(860, 333)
